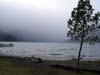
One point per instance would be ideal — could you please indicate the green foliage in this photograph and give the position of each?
(83, 22)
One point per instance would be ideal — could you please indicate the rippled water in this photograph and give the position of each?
(53, 51)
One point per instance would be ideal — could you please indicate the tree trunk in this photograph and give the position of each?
(79, 54)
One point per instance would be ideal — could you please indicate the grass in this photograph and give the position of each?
(11, 68)
(8, 68)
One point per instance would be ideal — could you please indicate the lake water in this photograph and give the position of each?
(52, 51)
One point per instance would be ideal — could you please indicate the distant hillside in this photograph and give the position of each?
(20, 35)
(7, 37)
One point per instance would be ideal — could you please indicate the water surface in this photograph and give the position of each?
(52, 51)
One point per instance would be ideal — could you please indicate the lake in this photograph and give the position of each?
(52, 51)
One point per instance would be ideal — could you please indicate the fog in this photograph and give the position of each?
(36, 20)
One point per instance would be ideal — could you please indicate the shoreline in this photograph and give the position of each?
(53, 59)
(49, 64)
(32, 59)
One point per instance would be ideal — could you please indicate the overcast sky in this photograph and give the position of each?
(42, 19)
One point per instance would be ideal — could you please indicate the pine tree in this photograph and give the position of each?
(83, 24)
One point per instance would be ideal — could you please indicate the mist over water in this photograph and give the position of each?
(30, 20)
(36, 20)
(32, 24)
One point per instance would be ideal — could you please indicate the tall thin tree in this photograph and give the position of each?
(83, 24)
